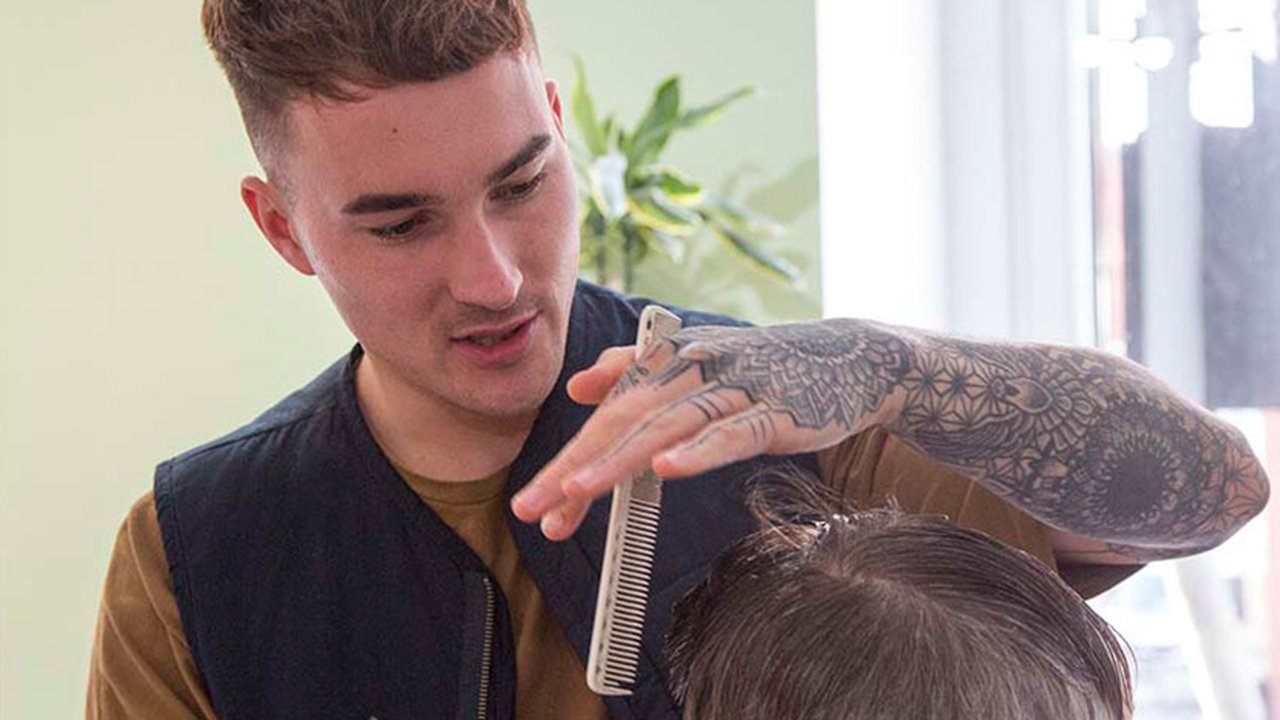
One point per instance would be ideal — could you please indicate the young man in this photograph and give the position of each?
(355, 551)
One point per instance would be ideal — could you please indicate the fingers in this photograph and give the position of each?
(618, 442)
(588, 387)
(633, 453)
(536, 499)
(563, 521)
(544, 492)
(736, 438)
(729, 440)
(592, 386)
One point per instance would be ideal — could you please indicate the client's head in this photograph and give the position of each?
(883, 615)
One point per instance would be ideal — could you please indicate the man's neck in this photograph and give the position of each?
(432, 438)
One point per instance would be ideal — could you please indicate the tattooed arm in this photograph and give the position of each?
(1088, 443)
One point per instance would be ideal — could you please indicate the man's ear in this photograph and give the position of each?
(269, 211)
(553, 98)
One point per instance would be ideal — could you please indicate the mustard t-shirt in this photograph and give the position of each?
(550, 679)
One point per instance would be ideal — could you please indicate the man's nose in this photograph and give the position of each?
(485, 272)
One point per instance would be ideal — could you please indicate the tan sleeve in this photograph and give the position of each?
(874, 466)
(141, 666)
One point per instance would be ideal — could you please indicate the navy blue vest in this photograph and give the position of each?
(313, 583)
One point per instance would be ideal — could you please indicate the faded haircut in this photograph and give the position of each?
(828, 613)
(278, 51)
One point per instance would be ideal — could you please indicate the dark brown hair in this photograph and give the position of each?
(882, 615)
(276, 51)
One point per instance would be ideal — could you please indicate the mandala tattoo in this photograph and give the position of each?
(1084, 441)
(819, 375)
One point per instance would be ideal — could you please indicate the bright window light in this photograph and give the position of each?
(1222, 81)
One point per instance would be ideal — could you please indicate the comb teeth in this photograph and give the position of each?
(617, 637)
(624, 588)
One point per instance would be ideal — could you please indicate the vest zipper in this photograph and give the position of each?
(486, 654)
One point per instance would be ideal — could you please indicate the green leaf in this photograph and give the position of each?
(593, 249)
(670, 246)
(771, 264)
(651, 209)
(594, 226)
(664, 119)
(743, 219)
(655, 127)
(679, 188)
(672, 209)
(635, 242)
(584, 113)
(699, 116)
(606, 130)
(633, 251)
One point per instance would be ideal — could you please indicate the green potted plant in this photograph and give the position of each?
(633, 204)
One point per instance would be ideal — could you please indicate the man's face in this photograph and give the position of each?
(441, 218)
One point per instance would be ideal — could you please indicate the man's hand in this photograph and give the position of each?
(711, 396)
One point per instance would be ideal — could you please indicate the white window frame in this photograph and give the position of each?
(951, 200)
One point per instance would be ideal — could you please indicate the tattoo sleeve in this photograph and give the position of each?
(1089, 443)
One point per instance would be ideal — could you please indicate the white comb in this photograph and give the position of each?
(618, 632)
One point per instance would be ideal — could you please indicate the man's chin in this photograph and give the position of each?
(515, 405)
(517, 392)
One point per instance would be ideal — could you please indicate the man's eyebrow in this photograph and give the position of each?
(386, 202)
(531, 150)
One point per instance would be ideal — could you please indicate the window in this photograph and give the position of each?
(1090, 172)
(1186, 146)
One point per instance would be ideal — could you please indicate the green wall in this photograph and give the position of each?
(141, 312)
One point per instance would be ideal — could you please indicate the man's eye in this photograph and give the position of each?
(399, 231)
(520, 191)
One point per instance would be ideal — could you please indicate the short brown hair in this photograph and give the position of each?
(276, 51)
(881, 615)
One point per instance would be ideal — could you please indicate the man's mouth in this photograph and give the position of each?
(496, 345)
(491, 340)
